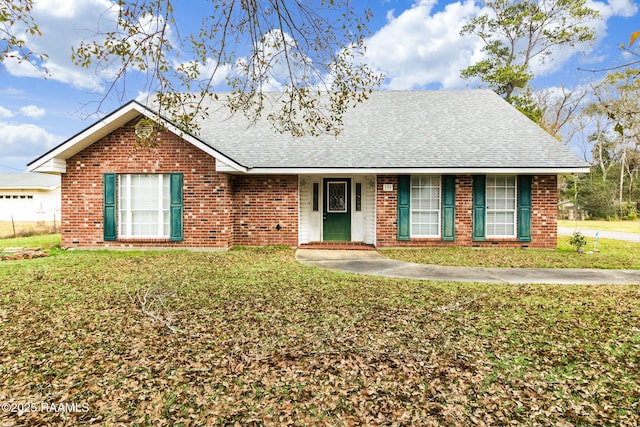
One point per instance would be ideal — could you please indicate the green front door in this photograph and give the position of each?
(336, 223)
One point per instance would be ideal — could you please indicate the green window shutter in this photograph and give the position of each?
(448, 208)
(404, 203)
(109, 220)
(479, 208)
(524, 208)
(175, 188)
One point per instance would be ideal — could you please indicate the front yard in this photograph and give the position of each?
(600, 225)
(251, 337)
(609, 254)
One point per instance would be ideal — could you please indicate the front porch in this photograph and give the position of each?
(337, 211)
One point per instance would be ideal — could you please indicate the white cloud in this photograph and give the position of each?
(5, 113)
(624, 8)
(143, 97)
(32, 111)
(211, 73)
(63, 9)
(271, 65)
(421, 48)
(611, 9)
(25, 141)
(64, 73)
(418, 48)
(65, 23)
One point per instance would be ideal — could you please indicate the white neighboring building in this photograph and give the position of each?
(29, 197)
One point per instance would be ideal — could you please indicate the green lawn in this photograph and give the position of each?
(264, 340)
(623, 226)
(44, 241)
(613, 254)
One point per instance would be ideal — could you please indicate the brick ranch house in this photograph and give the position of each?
(415, 168)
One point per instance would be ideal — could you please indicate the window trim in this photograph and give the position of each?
(315, 197)
(124, 228)
(358, 197)
(487, 210)
(438, 211)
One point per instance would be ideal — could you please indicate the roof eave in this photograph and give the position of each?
(552, 170)
(50, 161)
(54, 161)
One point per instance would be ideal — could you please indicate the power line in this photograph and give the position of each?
(9, 167)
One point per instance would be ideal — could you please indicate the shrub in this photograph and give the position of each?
(578, 241)
(629, 211)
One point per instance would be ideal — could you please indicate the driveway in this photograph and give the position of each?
(371, 262)
(616, 235)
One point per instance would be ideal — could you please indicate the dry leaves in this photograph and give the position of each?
(266, 341)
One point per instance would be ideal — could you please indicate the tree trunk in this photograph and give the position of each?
(622, 167)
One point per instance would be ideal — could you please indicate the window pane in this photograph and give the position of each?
(144, 223)
(166, 228)
(123, 193)
(491, 229)
(316, 193)
(337, 196)
(145, 200)
(123, 204)
(166, 195)
(501, 205)
(425, 229)
(144, 191)
(425, 205)
(422, 224)
(122, 219)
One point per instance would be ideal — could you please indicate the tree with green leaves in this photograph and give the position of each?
(613, 183)
(306, 51)
(14, 14)
(618, 97)
(517, 32)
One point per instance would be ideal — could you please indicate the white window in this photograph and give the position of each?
(143, 206)
(425, 206)
(501, 206)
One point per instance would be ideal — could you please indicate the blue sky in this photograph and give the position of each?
(416, 44)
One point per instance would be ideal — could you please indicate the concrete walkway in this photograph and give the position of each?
(371, 262)
(616, 235)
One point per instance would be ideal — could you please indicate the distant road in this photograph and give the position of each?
(616, 235)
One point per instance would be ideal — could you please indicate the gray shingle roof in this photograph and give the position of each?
(14, 181)
(408, 129)
(469, 131)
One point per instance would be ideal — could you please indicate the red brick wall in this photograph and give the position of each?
(544, 222)
(208, 209)
(222, 210)
(543, 227)
(261, 203)
(387, 212)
